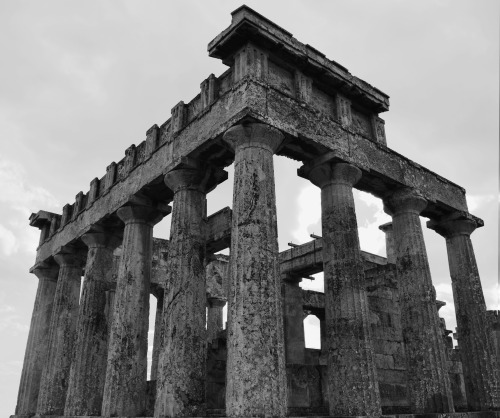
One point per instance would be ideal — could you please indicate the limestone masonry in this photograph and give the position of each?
(384, 348)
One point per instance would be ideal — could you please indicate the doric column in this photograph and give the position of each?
(180, 387)
(214, 317)
(428, 382)
(293, 320)
(256, 375)
(62, 332)
(157, 334)
(389, 242)
(352, 379)
(126, 373)
(88, 369)
(477, 352)
(37, 345)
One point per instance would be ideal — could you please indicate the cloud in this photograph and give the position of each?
(19, 199)
(308, 213)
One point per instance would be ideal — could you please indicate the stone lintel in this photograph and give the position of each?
(226, 111)
(218, 230)
(249, 26)
(307, 259)
(310, 135)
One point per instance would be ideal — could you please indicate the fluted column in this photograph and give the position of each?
(55, 376)
(293, 321)
(37, 345)
(428, 383)
(352, 379)
(256, 376)
(126, 373)
(155, 357)
(88, 369)
(214, 317)
(180, 387)
(477, 352)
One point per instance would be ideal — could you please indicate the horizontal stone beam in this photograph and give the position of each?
(383, 169)
(313, 301)
(218, 230)
(229, 108)
(307, 259)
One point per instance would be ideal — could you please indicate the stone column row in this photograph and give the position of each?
(477, 353)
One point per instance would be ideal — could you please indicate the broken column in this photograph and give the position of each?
(37, 345)
(352, 379)
(389, 242)
(180, 387)
(428, 383)
(477, 351)
(293, 320)
(256, 376)
(88, 369)
(126, 373)
(55, 376)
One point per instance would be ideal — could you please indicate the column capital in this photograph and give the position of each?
(193, 175)
(70, 256)
(387, 227)
(46, 271)
(330, 172)
(136, 213)
(253, 135)
(404, 200)
(101, 238)
(449, 228)
(216, 302)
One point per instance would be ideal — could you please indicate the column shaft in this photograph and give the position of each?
(352, 379)
(126, 373)
(477, 352)
(428, 382)
(88, 369)
(37, 345)
(55, 376)
(182, 365)
(256, 375)
(294, 323)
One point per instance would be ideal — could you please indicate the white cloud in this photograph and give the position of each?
(308, 212)
(8, 242)
(474, 202)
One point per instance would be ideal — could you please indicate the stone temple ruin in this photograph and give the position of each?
(384, 348)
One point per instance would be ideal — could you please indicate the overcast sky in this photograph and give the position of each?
(81, 81)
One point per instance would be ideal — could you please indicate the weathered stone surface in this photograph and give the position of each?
(256, 376)
(428, 381)
(88, 367)
(389, 242)
(125, 385)
(38, 341)
(352, 378)
(55, 376)
(182, 364)
(477, 351)
(293, 321)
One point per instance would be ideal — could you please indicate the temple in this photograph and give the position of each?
(384, 349)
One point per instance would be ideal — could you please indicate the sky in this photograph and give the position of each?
(82, 81)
